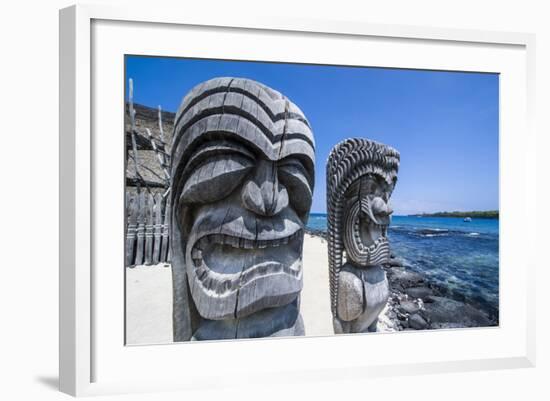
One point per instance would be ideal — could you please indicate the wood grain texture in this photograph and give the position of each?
(165, 232)
(358, 171)
(237, 230)
(157, 229)
(150, 202)
(140, 246)
(131, 232)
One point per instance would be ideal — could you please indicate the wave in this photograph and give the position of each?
(431, 231)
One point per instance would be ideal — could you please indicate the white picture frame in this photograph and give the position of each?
(93, 358)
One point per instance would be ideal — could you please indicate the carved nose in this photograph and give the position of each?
(377, 209)
(262, 194)
(380, 207)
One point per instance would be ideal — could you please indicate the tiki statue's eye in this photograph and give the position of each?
(216, 178)
(294, 176)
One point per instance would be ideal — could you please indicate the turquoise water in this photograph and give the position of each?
(460, 257)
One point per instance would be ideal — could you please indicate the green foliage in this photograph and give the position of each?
(487, 214)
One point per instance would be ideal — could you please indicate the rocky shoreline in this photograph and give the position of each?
(417, 304)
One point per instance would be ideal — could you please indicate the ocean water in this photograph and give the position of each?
(460, 257)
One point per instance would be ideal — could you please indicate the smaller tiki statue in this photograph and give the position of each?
(361, 176)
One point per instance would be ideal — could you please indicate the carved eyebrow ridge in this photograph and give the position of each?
(295, 162)
(222, 89)
(216, 148)
(229, 109)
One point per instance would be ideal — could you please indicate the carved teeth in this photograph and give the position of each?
(241, 243)
(208, 281)
(233, 241)
(221, 283)
(227, 285)
(201, 273)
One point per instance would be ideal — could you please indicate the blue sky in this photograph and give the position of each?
(444, 124)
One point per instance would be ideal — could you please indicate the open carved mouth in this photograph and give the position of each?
(371, 245)
(225, 262)
(365, 236)
(239, 263)
(368, 235)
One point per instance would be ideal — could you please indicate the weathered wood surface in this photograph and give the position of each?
(161, 129)
(136, 182)
(147, 218)
(361, 176)
(157, 229)
(136, 141)
(131, 234)
(240, 202)
(133, 127)
(140, 247)
(149, 229)
(164, 257)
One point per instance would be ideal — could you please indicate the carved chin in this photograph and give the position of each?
(232, 276)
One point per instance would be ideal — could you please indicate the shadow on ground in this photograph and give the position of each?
(52, 382)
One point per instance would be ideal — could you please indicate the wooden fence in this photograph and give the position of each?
(147, 228)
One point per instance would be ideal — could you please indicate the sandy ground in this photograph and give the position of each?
(149, 304)
(149, 298)
(315, 301)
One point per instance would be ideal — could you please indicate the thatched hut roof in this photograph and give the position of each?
(150, 167)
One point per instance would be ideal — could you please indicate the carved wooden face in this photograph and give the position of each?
(243, 216)
(242, 161)
(367, 215)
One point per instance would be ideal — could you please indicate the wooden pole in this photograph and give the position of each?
(160, 157)
(163, 139)
(161, 130)
(149, 230)
(132, 211)
(140, 229)
(165, 232)
(132, 113)
(157, 229)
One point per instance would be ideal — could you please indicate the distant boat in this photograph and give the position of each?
(467, 219)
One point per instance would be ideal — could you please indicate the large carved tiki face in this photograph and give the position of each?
(242, 170)
(361, 176)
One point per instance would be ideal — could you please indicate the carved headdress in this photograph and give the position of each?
(348, 162)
